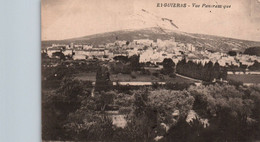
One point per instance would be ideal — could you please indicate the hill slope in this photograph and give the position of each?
(215, 43)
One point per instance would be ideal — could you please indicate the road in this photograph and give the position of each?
(188, 78)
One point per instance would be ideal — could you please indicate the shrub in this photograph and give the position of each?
(133, 75)
(156, 74)
(125, 110)
(172, 75)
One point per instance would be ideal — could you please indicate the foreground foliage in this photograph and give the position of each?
(71, 112)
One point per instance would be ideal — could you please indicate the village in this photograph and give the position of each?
(149, 51)
(123, 65)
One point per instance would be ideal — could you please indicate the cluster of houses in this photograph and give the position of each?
(226, 60)
(149, 51)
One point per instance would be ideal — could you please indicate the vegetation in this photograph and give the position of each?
(59, 55)
(134, 62)
(255, 66)
(229, 110)
(71, 113)
(76, 110)
(232, 53)
(103, 78)
(208, 72)
(253, 51)
(125, 64)
(168, 66)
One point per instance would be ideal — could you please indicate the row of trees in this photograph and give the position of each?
(207, 72)
(253, 51)
(255, 66)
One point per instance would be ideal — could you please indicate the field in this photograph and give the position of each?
(245, 78)
(139, 78)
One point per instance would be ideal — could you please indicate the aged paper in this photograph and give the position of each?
(150, 70)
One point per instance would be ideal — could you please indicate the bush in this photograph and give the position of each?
(156, 74)
(161, 77)
(125, 110)
(235, 83)
(145, 72)
(232, 53)
(227, 109)
(253, 51)
(177, 86)
(133, 75)
(172, 75)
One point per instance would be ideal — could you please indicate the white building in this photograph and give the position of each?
(55, 48)
(146, 42)
(87, 47)
(120, 43)
(67, 52)
(190, 47)
(80, 55)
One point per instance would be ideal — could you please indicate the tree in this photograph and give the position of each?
(227, 109)
(103, 78)
(123, 59)
(187, 132)
(134, 62)
(103, 99)
(89, 124)
(60, 55)
(68, 95)
(255, 66)
(127, 43)
(196, 70)
(151, 108)
(123, 99)
(232, 53)
(168, 66)
(253, 51)
(216, 71)
(167, 101)
(208, 71)
(223, 73)
(57, 106)
(144, 116)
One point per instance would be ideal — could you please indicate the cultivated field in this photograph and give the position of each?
(245, 78)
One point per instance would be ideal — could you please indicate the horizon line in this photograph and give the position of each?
(149, 28)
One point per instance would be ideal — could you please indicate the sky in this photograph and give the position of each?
(63, 19)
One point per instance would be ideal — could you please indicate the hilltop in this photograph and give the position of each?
(160, 28)
(211, 42)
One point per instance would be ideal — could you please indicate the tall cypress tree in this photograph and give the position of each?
(103, 79)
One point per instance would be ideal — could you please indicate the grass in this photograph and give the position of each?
(245, 78)
(90, 76)
(139, 78)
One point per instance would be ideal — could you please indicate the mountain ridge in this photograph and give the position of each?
(211, 42)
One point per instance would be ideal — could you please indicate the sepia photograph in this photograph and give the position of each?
(150, 70)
